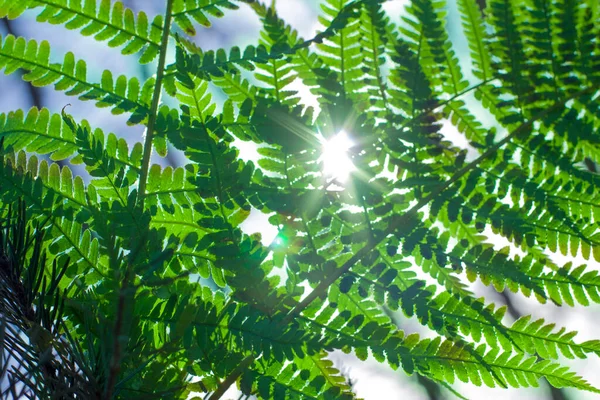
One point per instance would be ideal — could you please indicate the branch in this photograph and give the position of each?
(154, 107)
(34, 93)
(231, 378)
(115, 366)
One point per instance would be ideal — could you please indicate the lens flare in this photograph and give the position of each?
(336, 161)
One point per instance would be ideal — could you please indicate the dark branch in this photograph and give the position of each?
(35, 94)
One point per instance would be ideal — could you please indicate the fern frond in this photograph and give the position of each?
(373, 24)
(216, 63)
(277, 73)
(412, 94)
(557, 225)
(224, 71)
(446, 361)
(507, 44)
(438, 60)
(39, 132)
(545, 72)
(458, 113)
(199, 11)
(113, 168)
(55, 189)
(317, 379)
(122, 95)
(472, 317)
(44, 133)
(474, 30)
(589, 51)
(308, 66)
(165, 281)
(440, 64)
(209, 323)
(342, 51)
(55, 196)
(236, 87)
(567, 39)
(568, 285)
(208, 144)
(193, 94)
(114, 23)
(176, 205)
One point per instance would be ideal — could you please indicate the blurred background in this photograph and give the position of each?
(370, 380)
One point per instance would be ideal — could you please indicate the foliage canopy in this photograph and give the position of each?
(98, 273)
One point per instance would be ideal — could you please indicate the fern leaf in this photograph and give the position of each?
(199, 11)
(587, 62)
(308, 66)
(114, 23)
(113, 168)
(473, 26)
(372, 26)
(277, 73)
(569, 286)
(441, 66)
(439, 60)
(524, 335)
(54, 195)
(342, 50)
(123, 95)
(507, 44)
(565, 32)
(38, 132)
(44, 133)
(317, 379)
(196, 101)
(237, 88)
(216, 63)
(165, 283)
(516, 371)
(174, 200)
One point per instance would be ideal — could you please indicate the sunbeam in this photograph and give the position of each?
(336, 161)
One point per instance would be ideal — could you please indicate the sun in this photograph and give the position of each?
(336, 161)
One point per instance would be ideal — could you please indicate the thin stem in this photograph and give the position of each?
(115, 362)
(126, 292)
(376, 55)
(154, 107)
(235, 374)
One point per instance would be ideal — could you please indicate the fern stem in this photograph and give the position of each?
(443, 103)
(380, 82)
(125, 294)
(160, 71)
(342, 66)
(304, 223)
(322, 287)
(231, 378)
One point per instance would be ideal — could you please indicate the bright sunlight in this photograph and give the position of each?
(336, 161)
